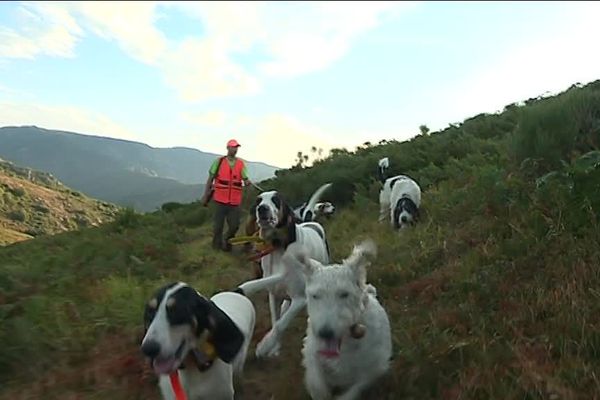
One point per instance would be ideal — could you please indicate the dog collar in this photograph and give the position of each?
(264, 249)
(176, 386)
(204, 355)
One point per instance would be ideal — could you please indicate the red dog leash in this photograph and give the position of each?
(176, 385)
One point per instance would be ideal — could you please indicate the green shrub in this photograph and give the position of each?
(127, 218)
(171, 206)
(191, 216)
(559, 128)
(18, 215)
(18, 191)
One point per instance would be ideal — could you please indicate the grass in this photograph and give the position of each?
(495, 294)
(8, 236)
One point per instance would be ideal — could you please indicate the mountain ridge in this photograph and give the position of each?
(116, 170)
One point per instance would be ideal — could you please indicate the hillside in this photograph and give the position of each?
(495, 294)
(122, 172)
(34, 203)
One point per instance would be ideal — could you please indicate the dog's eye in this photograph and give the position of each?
(315, 297)
(343, 295)
(276, 201)
(148, 317)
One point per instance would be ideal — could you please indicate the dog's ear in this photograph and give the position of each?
(226, 336)
(290, 221)
(397, 211)
(360, 259)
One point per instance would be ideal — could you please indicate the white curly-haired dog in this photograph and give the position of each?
(400, 198)
(348, 339)
(285, 283)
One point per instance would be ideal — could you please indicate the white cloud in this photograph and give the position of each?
(44, 29)
(66, 118)
(295, 38)
(199, 69)
(130, 24)
(314, 36)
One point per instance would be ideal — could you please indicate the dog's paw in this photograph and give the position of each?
(269, 346)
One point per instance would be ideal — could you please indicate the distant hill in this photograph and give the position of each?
(123, 172)
(34, 203)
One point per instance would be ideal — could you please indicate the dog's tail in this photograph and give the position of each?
(315, 198)
(384, 164)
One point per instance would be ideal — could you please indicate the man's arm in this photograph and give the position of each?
(207, 189)
(212, 172)
(247, 181)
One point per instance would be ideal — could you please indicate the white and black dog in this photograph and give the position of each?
(325, 208)
(204, 341)
(348, 343)
(310, 211)
(285, 283)
(400, 198)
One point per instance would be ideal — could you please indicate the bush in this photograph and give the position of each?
(18, 215)
(127, 218)
(41, 208)
(191, 216)
(559, 128)
(17, 191)
(171, 206)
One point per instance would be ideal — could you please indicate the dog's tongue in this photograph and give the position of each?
(331, 348)
(164, 366)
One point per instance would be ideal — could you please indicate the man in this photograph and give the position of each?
(224, 185)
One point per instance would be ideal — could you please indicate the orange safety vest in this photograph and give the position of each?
(228, 183)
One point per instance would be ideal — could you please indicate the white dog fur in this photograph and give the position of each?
(392, 201)
(227, 317)
(339, 299)
(279, 228)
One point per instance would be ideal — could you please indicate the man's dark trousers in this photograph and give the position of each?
(232, 215)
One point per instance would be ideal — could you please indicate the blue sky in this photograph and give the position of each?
(283, 76)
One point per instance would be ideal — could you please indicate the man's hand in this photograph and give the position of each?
(206, 199)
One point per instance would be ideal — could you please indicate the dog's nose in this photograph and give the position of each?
(326, 333)
(150, 348)
(262, 210)
(404, 219)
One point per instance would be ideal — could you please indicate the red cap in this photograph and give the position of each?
(233, 143)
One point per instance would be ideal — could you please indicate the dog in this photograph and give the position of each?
(400, 199)
(405, 201)
(325, 209)
(348, 343)
(205, 341)
(280, 229)
(308, 212)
